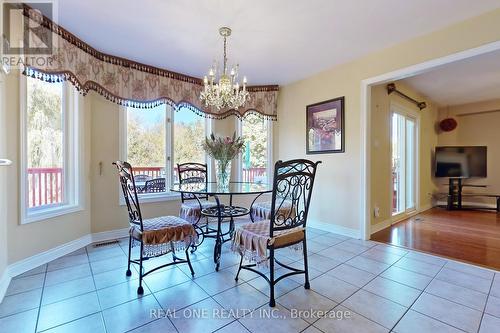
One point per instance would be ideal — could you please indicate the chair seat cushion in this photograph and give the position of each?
(190, 210)
(252, 240)
(164, 229)
(194, 204)
(262, 210)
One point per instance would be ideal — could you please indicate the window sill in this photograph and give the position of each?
(150, 198)
(42, 214)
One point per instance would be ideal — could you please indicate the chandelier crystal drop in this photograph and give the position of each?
(226, 92)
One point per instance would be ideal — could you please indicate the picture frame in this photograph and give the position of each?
(325, 127)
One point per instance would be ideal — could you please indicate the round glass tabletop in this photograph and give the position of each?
(234, 188)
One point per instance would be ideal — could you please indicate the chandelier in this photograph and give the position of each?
(225, 92)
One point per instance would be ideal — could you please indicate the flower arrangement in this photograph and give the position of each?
(223, 150)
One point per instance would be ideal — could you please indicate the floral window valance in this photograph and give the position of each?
(130, 83)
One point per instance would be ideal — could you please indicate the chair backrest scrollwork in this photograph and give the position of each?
(292, 188)
(154, 185)
(127, 183)
(192, 173)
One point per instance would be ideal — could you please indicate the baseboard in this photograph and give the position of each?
(109, 235)
(36, 260)
(4, 283)
(337, 229)
(387, 223)
(471, 204)
(380, 226)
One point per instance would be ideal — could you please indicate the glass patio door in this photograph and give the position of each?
(403, 143)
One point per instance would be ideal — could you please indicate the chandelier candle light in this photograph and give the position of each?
(223, 150)
(226, 92)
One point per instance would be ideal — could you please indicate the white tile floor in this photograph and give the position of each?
(356, 286)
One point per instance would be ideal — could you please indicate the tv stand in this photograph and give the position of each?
(455, 195)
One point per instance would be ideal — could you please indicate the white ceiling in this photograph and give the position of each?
(467, 81)
(275, 41)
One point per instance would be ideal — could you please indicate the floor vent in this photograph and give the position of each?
(106, 243)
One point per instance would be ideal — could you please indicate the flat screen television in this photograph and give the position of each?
(461, 162)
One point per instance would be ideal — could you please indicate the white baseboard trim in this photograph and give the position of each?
(380, 226)
(387, 223)
(4, 283)
(109, 235)
(337, 229)
(38, 259)
(471, 204)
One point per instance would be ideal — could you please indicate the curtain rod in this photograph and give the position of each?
(391, 87)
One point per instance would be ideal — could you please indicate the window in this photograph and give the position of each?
(155, 140)
(147, 133)
(190, 130)
(404, 157)
(256, 159)
(49, 144)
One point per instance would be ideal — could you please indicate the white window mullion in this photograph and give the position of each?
(169, 146)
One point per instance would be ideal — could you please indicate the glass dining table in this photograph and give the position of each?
(223, 212)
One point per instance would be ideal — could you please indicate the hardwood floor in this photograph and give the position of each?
(471, 236)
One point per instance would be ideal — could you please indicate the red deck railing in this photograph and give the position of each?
(45, 185)
(250, 175)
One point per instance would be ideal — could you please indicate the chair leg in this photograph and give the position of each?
(272, 302)
(306, 267)
(239, 268)
(129, 272)
(189, 261)
(140, 290)
(174, 257)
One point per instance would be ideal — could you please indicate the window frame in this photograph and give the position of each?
(169, 158)
(72, 157)
(270, 156)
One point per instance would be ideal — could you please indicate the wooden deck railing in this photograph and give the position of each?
(45, 185)
(250, 175)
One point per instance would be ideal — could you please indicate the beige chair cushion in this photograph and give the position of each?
(262, 210)
(164, 229)
(252, 240)
(190, 210)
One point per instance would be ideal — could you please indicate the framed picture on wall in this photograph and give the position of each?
(325, 127)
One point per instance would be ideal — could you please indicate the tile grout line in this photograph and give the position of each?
(96, 294)
(41, 298)
(413, 303)
(486, 303)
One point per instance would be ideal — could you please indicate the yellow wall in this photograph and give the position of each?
(477, 126)
(28, 239)
(107, 213)
(337, 198)
(381, 148)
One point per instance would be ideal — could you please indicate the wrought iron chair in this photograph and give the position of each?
(142, 178)
(191, 205)
(156, 236)
(154, 186)
(257, 242)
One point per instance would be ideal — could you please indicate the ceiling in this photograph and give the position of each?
(274, 41)
(471, 80)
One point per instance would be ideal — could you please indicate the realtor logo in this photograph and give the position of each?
(24, 37)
